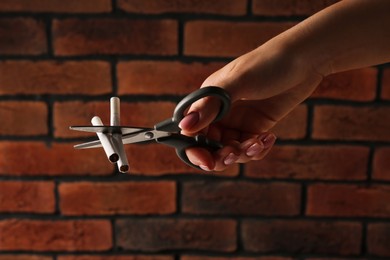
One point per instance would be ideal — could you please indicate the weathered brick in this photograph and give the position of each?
(378, 239)
(164, 161)
(386, 85)
(352, 123)
(24, 257)
(289, 7)
(312, 162)
(348, 200)
(36, 159)
(115, 36)
(228, 39)
(191, 257)
(176, 234)
(86, 198)
(381, 164)
(27, 196)
(241, 198)
(303, 237)
(61, 235)
(140, 114)
(223, 7)
(56, 6)
(52, 77)
(115, 257)
(23, 118)
(22, 36)
(293, 126)
(162, 77)
(356, 85)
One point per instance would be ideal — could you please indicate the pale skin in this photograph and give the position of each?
(270, 81)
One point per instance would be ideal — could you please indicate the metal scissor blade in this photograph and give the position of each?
(124, 130)
(143, 136)
(134, 135)
(93, 129)
(92, 144)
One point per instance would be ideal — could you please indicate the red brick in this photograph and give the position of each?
(164, 161)
(52, 77)
(386, 85)
(115, 257)
(140, 198)
(356, 85)
(62, 235)
(142, 114)
(62, 159)
(225, 39)
(22, 36)
(23, 118)
(241, 198)
(176, 234)
(331, 258)
(289, 7)
(351, 123)
(24, 257)
(162, 77)
(36, 159)
(293, 126)
(56, 6)
(28, 196)
(303, 237)
(115, 36)
(348, 200)
(223, 7)
(378, 239)
(312, 162)
(235, 258)
(381, 164)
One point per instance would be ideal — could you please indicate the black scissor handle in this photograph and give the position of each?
(172, 124)
(182, 142)
(187, 101)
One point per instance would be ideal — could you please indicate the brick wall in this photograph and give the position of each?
(323, 193)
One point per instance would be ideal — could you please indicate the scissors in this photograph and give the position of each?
(166, 132)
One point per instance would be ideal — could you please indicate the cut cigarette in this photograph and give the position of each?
(115, 111)
(123, 164)
(106, 141)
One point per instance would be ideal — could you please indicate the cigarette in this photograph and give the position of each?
(115, 111)
(106, 141)
(123, 164)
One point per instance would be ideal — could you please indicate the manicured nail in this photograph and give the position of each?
(189, 120)
(254, 149)
(268, 140)
(230, 159)
(205, 168)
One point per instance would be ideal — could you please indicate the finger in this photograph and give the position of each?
(250, 149)
(201, 157)
(256, 148)
(268, 140)
(200, 114)
(226, 156)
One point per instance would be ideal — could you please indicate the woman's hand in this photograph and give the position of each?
(264, 85)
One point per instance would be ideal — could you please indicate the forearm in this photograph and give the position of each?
(350, 34)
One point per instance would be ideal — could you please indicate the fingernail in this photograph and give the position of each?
(205, 168)
(230, 159)
(268, 140)
(254, 149)
(189, 120)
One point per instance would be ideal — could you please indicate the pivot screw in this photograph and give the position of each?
(149, 135)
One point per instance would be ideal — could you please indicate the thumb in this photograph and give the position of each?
(200, 115)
